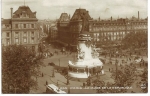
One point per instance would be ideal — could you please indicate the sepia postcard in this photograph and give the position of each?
(74, 46)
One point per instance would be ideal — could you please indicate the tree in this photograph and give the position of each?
(99, 83)
(144, 80)
(19, 67)
(125, 76)
(137, 39)
(41, 49)
(89, 81)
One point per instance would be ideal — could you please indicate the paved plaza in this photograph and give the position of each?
(61, 81)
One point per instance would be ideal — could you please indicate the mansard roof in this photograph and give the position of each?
(26, 10)
(77, 14)
(64, 17)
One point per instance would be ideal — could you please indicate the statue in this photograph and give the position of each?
(81, 54)
(84, 58)
(85, 25)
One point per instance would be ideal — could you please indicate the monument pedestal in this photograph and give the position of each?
(86, 64)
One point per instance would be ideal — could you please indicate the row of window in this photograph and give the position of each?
(17, 34)
(116, 28)
(24, 40)
(109, 38)
(109, 24)
(118, 23)
(17, 40)
(6, 26)
(24, 25)
(24, 34)
(75, 28)
(108, 33)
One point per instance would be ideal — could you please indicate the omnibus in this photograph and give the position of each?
(53, 89)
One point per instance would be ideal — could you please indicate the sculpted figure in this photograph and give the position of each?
(85, 22)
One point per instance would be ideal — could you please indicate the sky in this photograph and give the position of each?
(52, 9)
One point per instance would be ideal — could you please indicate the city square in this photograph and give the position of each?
(76, 53)
(61, 80)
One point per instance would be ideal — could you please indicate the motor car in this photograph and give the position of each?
(51, 64)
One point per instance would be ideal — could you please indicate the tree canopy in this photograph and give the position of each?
(19, 67)
(144, 80)
(138, 39)
(125, 76)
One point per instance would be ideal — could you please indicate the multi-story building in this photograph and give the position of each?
(6, 32)
(63, 29)
(21, 29)
(69, 29)
(53, 34)
(101, 31)
(115, 30)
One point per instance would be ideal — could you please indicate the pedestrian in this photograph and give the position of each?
(83, 84)
(57, 82)
(140, 64)
(93, 85)
(109, 69)
(122, 61)
(68, 89)
(42, 74)
(46, 83)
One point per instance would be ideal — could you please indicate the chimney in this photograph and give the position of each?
(111, 18)
(69, 16)
(87, 12)
(35, 14)
(138, 15)
(11, 9)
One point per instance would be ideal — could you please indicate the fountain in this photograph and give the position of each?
(87, 61)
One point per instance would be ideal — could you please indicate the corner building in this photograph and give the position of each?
(21, 29)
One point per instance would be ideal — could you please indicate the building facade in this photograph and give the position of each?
(53, 34)
(21, 29)
(102, 31)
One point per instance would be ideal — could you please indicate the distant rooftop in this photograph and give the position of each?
(64, 17)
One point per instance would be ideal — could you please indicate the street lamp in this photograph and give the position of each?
(67, 77)
(68, 80)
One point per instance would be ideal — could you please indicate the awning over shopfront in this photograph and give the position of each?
(63, 43)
